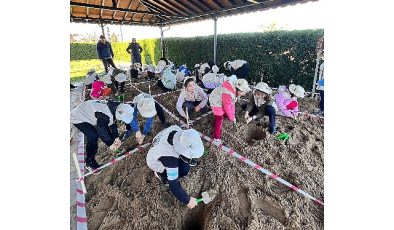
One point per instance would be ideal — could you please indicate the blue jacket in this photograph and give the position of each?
(104, 50)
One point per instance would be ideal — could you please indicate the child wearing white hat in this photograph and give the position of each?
(286, 100)
(97, 119)
(261, 104)
(170, 157)
(239, 68)
(147, 107)
(222, 100)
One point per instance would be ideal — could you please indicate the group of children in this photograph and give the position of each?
(174, 150)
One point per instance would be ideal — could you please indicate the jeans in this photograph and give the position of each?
(269, 111)
(92, 137)
(190, 105)
(108, 62)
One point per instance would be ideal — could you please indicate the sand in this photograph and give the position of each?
(126, 195)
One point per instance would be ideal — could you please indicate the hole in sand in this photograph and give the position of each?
(255, 133)
(195, 219)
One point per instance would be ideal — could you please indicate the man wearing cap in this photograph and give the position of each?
(105, 53)
(145, 105)
(135, 50)
(97, 119)
(286, 100)
(238, 67)
(169, 157)
(261, 104)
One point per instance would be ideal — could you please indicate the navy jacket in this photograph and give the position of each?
(104, 50)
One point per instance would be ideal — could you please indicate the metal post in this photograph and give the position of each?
(215, 37)
(102, 28)
(161, 41)
(108, 34)
(121, 33)
(315, 77)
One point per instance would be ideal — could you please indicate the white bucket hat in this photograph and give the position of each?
(160, 66)
(90, 78)
(106, 79)
(263, 87)
(124, 112)
(297, 90)
(215, 69)
(188, 143)
(242, 85)
(121, 77)
(145, 105)
(232, 78)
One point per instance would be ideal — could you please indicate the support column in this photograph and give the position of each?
(102, 28)
(161, 41)
(121, 33)
(215, 38)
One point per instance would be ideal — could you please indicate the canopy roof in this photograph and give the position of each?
(164, 12)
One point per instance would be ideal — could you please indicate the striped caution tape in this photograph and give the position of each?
(81, 217)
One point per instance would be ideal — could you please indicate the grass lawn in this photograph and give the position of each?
(79, 68)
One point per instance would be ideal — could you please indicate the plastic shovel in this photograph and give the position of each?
(206, 198)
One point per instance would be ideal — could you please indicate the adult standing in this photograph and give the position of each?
(105, 53)
(135, 50)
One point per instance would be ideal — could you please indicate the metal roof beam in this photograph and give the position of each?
(180, 6)
(109, 21)
(166, 7)
(120, 9)
(154, 9)
(189, 5)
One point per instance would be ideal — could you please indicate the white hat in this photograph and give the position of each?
(121, 77)
(188, 143)
(124, 112)
(92, 70)
(145, 105)
(263, 87)
(297, 90)
(215, 69)
(232, 78)
(90, 78)
(106, 79)
(242, 85)
(196, 65)
(160, 66)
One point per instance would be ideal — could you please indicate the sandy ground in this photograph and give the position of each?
(126, 195)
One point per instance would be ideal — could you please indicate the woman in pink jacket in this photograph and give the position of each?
(286, 100)
(222, 100)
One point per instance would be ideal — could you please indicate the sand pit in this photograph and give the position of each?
(126, 195)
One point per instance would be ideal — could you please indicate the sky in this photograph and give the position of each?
(295, 17)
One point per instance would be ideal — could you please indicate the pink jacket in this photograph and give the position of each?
(227, 101)
(282, 99)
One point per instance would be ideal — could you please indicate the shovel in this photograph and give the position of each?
(206, 198)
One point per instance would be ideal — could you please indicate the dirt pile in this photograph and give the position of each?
(126, 195)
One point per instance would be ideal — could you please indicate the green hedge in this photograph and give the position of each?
(87, 51)
(283, 56)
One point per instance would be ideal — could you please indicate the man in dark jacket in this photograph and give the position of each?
(135, 50)
(97, 119)
(105, 53)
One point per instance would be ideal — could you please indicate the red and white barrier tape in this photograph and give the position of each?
(161, 94)
(113, 161)
(233, 153)
(82, 223)
(249, 162)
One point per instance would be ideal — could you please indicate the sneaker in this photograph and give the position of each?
(94, 169)
(165, 183)
(193, 163)
(217, 141)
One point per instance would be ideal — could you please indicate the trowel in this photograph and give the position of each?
(206, 198)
